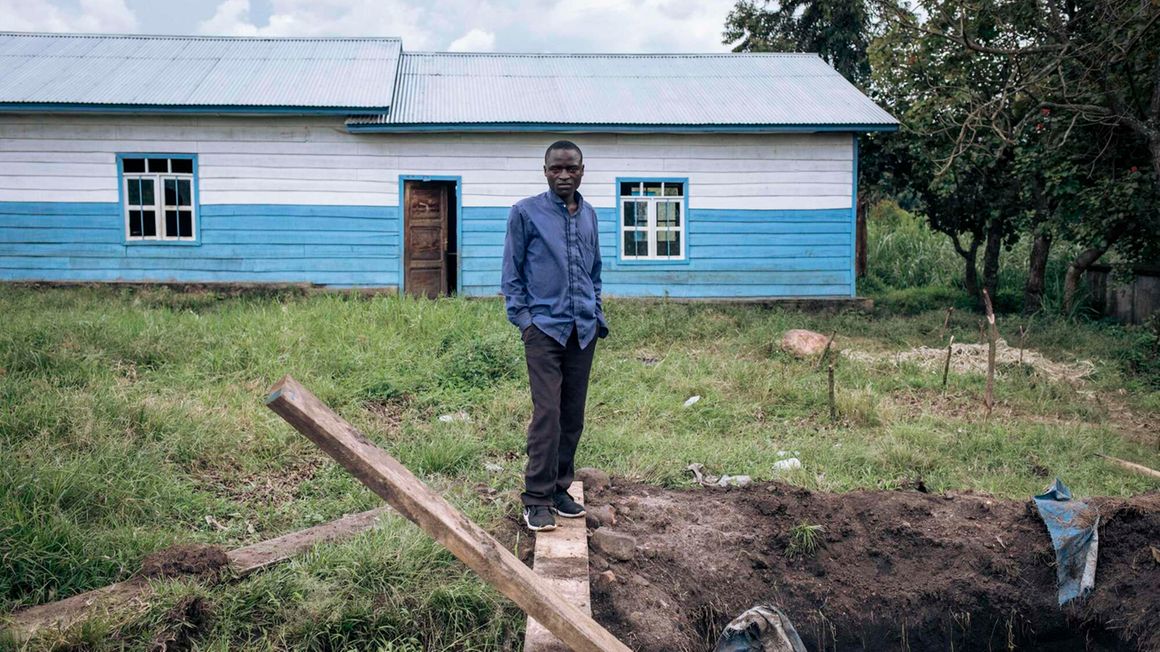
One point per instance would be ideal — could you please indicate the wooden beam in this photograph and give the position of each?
(562, 560)
(1132, 466)
(392, 481)
(134, 592)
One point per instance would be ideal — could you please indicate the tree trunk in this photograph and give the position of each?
(861, 247)
(1082, 262)
(1075, 270)
(1036, 271)
(991, 257)
(969, 255)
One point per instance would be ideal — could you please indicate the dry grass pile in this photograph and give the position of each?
(972, 358)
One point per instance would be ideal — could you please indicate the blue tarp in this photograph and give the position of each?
(1073, 526)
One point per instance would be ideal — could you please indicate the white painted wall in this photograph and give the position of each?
(47, 158)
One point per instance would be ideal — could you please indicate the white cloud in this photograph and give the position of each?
(467, 25)
(476, 40)
(324, 18)
(88, 16)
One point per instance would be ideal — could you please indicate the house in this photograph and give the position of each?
(349, 162)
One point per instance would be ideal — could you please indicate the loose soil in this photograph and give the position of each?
(186, 559)
(895, 570)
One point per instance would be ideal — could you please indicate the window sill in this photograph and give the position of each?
(162, 243)
(652, 263)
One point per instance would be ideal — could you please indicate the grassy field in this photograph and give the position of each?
(134, 419)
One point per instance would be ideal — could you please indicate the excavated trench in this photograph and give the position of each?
(891, 570)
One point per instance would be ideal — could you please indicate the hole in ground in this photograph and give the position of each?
(891, 570)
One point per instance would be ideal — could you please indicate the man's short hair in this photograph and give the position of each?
(563, 144)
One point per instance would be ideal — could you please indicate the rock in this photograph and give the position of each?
(600, 515)
(734, 481)
(594, 479)
(617, 545)
(803, 343)
(788, 464)
(599, 564)
(692, 400)
(458, 416)
(605, 580)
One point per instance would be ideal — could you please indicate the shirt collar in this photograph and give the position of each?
(560, 202)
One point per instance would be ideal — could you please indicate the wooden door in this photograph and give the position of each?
(425, 238)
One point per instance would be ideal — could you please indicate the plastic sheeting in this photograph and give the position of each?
(1073, 526)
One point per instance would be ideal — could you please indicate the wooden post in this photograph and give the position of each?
(992, 337)
(826, 351)
(833, 402)
(946, 322)
(473, 546)
(947, 364)
(1022, 338)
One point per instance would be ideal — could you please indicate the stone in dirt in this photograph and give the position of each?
(619, 546)
(594, 479)
(605, 580)
(600, 515)
(803, 343)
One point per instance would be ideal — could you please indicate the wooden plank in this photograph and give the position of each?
(134, 593)
(392, 481)
(1132, 466)
(561, 558)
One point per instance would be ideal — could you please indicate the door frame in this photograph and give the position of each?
(403, 179)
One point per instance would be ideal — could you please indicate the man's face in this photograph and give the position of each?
(563, 170)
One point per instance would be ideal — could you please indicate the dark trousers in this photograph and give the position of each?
(558, 376)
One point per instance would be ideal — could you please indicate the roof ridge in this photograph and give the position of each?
(200, 37)
(636, 55)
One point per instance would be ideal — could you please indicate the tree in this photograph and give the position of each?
(1081, 106)
(838, 30)
(963, 178)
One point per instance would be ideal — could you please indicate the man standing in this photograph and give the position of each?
(551, 285)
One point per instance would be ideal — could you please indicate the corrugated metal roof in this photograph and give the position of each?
(638, 89)
(186, 71)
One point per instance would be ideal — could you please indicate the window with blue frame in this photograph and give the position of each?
(158, 196)
(652, 224)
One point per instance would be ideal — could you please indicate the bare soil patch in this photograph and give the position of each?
(894, 570)
(186, 559)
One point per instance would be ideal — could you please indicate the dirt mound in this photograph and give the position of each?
(185, 559)
(891, 570)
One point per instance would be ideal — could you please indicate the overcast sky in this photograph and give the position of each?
(462, 25)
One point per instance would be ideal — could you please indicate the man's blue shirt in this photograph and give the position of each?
(551, 268)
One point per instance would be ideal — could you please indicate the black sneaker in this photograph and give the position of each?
(539, 518)
(566, 507)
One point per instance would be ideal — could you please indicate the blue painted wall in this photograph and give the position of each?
(334, 245)
(731, 253)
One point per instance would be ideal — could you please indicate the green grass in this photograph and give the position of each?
(804, 540)
(129, 416)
